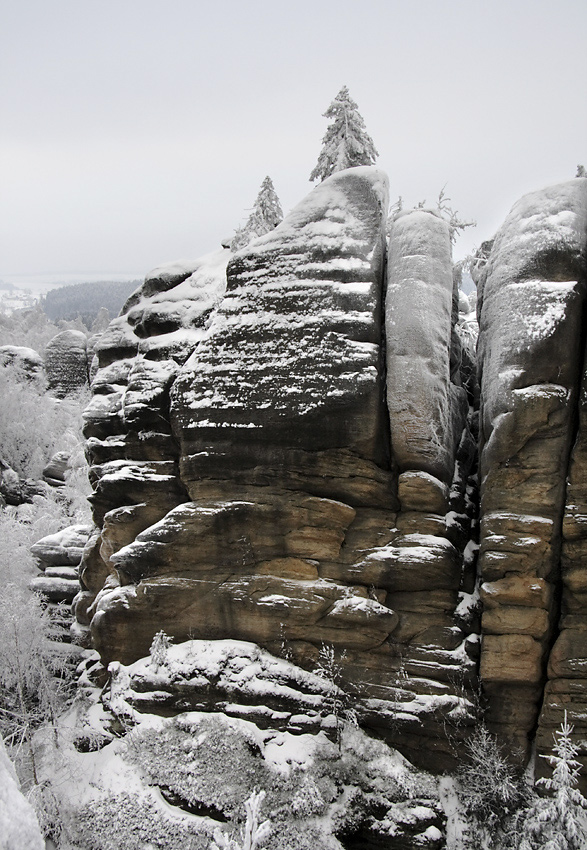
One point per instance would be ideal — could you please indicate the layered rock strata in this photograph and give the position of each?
(132, 452)
(58, 558)
(566, 686)
(66, 363)
(283, 449)
(531, 300)
(272, 512)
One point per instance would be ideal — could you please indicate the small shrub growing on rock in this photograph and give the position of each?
(158, 651)
(253, 834)
(208, 765)
(490, 791)
(558, 822)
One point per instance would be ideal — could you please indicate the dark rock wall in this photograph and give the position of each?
(284, 451)
(66, 363)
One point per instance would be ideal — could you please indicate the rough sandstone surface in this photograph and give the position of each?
(283, 450)
(531, 309)
(426, 410)
(66, 363)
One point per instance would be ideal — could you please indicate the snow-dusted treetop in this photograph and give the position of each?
(265, 216)
(346, 142)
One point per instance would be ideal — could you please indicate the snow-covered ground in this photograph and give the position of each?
(123, 778)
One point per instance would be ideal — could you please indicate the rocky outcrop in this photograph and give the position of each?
(426, 409)
(531, 300)
(27, 361)
(58, 558)
(55, 472)
(66, 363)
(15, 490)
(566, 687)
(235, 677)
(19, 826)
(262, 502)
(283, 447)
(131, 449)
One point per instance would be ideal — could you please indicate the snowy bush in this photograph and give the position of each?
(31, 688)
(253, 833)
(307, 799)
(208, 765)
(490, 791)
(34, 425)
(125, 821)
(158, 651)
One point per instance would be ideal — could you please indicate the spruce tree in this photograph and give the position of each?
(346, 142)
(559, 822)
(265, 216)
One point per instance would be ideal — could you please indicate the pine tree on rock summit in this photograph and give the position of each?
(346, 142)
(265, 216)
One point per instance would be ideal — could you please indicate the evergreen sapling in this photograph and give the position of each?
(559, 822)
(265, 216)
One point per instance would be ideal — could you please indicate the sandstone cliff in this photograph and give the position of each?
(283, 447)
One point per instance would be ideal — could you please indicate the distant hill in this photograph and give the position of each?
(87, 299)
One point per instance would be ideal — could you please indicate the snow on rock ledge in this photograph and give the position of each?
(236, 677)
(291, 363)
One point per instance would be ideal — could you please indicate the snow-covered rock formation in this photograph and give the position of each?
(531, 358)
(19, 827)
(283, 451)
(26, 360)
(66, 362)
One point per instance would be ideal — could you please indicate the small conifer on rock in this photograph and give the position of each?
(346, 142)
(559, 822)
(265, 216)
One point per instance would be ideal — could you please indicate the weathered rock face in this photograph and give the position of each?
(66, 363)
(532, 295)
(15, 490)
(307, 294)
(427, 410)
(284, 451)
(58, 557)
(262, 502)
(26, 360)
(132, 452)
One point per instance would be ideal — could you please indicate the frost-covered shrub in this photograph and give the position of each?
(558, 822)
(288, 835)
(207, 763)
(34, 425)
(490, 790)
(125, 821)
(370, 765)
(32, 687)
(254, 832)
(158, 651)
(308, 799)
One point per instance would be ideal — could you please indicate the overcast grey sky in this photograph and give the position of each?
(135, 132)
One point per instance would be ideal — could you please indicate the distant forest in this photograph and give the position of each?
(87, 299)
